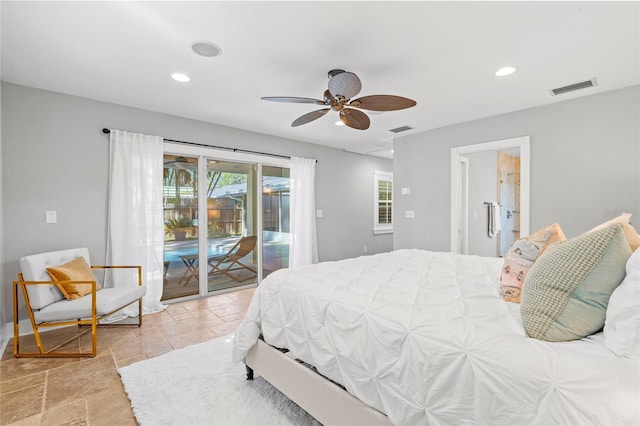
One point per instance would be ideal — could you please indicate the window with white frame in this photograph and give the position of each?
(383, 207)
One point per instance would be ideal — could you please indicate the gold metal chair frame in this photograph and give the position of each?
(93, 321)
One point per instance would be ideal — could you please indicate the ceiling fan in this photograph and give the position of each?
(343, 86)
(178, 162)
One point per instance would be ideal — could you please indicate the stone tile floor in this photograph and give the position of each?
(88, 391)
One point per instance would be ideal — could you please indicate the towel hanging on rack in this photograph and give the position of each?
(493, 222)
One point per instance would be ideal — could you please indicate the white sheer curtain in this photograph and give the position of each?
(303, 248)
(136, 221)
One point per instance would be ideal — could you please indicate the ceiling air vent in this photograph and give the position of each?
(576, 86)
(401, 129)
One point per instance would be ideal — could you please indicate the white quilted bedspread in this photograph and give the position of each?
(425, 338)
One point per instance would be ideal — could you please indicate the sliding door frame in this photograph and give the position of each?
(203, 154)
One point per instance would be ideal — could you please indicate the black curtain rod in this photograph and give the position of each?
(107, 131)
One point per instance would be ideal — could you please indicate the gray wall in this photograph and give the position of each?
(483, 186)
(584, 166)
(56, 158)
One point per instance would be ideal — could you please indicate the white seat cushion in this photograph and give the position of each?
(34, 268)
(107, 300)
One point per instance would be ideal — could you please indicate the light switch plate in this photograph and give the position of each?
(410, 214)
(51, 216)
(318, 213)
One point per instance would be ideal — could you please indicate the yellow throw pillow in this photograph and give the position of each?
(629, 231)
(521, 256)
(76, 270)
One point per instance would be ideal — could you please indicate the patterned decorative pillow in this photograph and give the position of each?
(521, 256)
(76, 270)
(569, 286)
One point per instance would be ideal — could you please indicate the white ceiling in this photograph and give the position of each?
(441, 54)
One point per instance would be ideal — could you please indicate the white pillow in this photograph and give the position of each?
(622, 324)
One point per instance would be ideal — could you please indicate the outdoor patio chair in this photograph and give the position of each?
(227, 262)
(60, 289)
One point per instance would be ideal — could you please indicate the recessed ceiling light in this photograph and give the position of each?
(339, 123)
(505, 71)
(206, 49)
(182, 78)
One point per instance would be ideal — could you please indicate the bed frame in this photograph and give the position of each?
(326, 401)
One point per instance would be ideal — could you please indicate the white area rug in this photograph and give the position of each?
(199, 385)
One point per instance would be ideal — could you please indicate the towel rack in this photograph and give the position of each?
(493, 218)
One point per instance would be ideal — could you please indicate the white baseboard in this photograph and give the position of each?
(6, 333)
(4, 336)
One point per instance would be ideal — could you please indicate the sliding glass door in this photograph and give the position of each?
(275, 218)
(226, 221)
(232, 224)
(181, 241)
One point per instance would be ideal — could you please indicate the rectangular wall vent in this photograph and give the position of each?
(576, 86)
(401, 129)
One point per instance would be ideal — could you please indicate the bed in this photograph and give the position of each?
(414, 337)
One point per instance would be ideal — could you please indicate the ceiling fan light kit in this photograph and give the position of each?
(343, 86)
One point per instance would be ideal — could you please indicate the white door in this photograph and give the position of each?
(463, 217)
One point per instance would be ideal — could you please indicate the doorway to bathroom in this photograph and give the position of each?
(489, 196)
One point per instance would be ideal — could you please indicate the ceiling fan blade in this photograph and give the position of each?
(314, 115)
(382, 103)
(355, 119)
(293, 99)
(346, 84)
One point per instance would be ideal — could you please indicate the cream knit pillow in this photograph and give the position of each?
(567, 290)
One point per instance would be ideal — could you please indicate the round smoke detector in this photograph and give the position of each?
(206, 49)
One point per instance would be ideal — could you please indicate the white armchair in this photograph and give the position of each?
(48, 306)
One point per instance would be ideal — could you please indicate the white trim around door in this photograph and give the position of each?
(457, 153)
